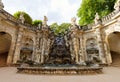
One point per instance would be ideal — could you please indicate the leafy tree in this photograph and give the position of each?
(37, 22)
(54, 27)
(63, 27)
(60, 28)
(27, 17)
(88, 9)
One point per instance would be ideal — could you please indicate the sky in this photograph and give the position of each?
(56, 10)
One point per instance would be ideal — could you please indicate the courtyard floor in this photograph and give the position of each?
(8, 74)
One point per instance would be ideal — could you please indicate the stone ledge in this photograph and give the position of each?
(60, 71)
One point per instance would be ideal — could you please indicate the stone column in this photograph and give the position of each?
(81, 53)
(43, 50)
(107, 53)
(37, 57)
(37, 49)
(18, 45)
(100, 46)
(11, 52)
(75, 44)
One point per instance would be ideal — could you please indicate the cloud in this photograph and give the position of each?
(56, 10)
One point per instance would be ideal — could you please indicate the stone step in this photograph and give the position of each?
(60, 71)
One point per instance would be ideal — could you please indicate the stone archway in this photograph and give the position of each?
(5, 43)
(114, 44)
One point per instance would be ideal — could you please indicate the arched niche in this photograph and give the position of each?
(113, 40)
(92, 50)
(5, 44)
(26, 51)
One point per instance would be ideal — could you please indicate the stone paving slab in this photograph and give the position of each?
(8, 74)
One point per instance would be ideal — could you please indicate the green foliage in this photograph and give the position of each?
(37, 22)
(63, 27)
(54, 27)
(27, 17)
(59, 28)
(88, 9)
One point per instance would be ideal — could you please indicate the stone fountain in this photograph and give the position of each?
(60, 55)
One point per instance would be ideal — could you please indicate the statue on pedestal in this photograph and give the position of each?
(22, 17)
(73, 21)
(45, 40)
(39, 26)
(73, 40)
(97, 18)
(117, 5)
(45, 21)
(1, 5)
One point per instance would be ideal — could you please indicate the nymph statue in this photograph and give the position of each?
(1, 5)
(73, 21)
(117, 5)
(97, 18)
(45, 21)
(22, 17)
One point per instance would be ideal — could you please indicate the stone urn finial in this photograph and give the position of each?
(22, 17)
(45, 21)
(1, 5)
(117, 5)
(73, 21)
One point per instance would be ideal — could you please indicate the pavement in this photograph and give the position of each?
(9, 74)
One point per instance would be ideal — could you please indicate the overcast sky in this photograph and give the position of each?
(56, 10)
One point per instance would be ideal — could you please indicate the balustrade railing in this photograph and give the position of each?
(18, 21)
(104, 20)
(109, 17)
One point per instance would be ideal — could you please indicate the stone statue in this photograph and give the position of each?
(1, 5)
(22, 17)
(39, 26)
(74, 40)
(117, 5)
(45, 21)
(73, 21)
(97, 18)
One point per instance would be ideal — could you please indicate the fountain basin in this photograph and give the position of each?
(60, 70)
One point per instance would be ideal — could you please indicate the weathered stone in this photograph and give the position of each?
(28, 43)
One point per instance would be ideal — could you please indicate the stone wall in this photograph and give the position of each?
(42, 39)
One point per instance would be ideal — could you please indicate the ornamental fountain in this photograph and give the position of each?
(60, 54)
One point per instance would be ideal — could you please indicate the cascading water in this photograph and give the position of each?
(59, 52)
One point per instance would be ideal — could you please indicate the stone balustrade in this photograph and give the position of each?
(109, 17)
(104, 20)
(17, 21)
